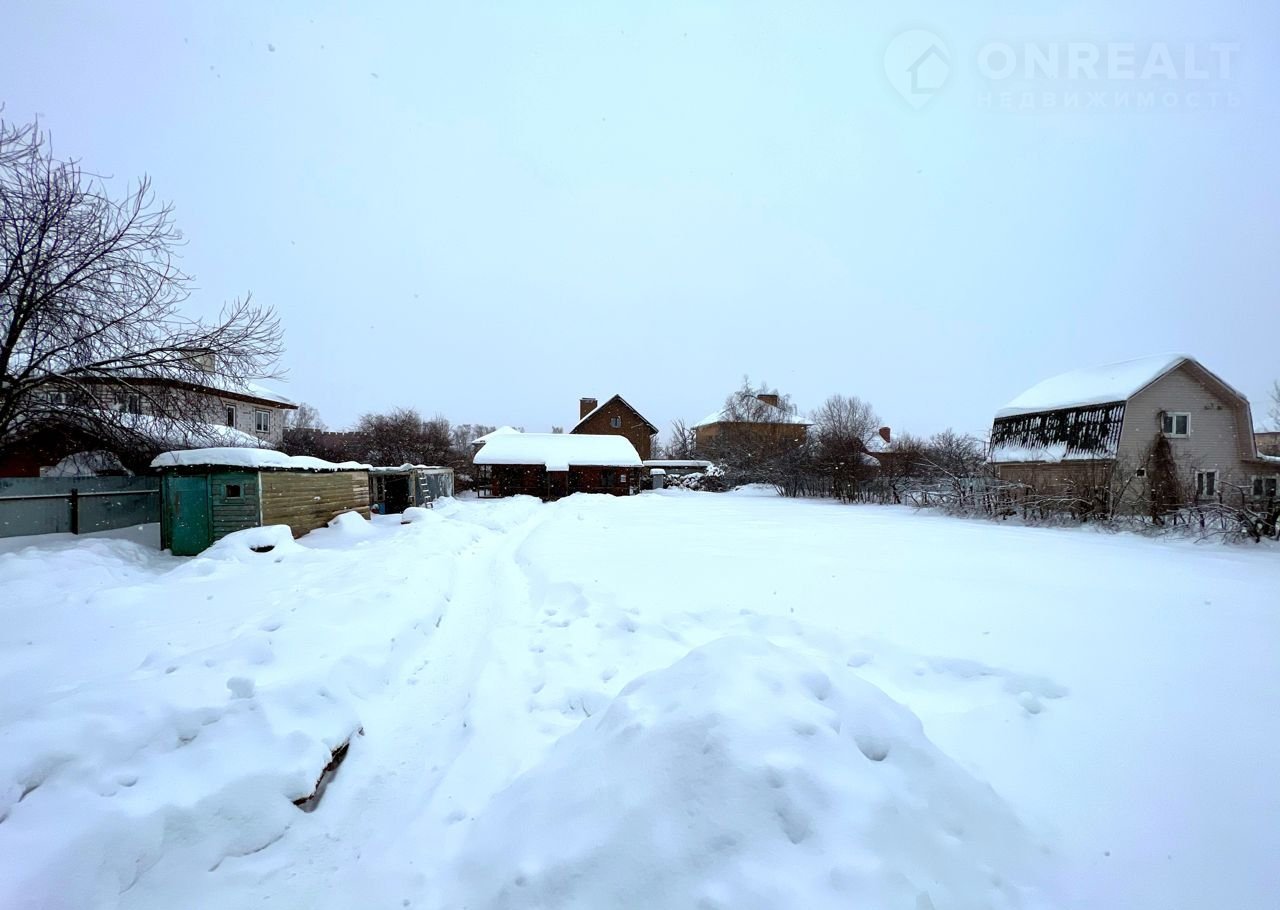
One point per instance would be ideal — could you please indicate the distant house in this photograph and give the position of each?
(616, 417)
(759, 421)
(552, 465)
(1268, 442)
(1092, 433)
(214, 413)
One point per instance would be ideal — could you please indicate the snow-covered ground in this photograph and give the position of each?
(674, 700)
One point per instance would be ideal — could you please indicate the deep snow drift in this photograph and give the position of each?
(746, 776)
(673, 700)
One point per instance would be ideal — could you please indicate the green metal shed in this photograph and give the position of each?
(206, 494)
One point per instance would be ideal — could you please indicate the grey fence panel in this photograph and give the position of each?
(49, 505)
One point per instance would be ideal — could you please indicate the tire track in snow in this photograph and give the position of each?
(383, 802)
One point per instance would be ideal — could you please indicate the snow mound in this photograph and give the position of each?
(747, 776)
(253, 543)
(352, 524)
(416, 514)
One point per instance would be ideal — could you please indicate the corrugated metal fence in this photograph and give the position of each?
(49, 505)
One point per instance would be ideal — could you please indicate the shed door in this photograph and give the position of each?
(190, 529)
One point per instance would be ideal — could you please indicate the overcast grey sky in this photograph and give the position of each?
(490, 213)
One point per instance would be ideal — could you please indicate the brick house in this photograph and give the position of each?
(616, 417)
(759, 421)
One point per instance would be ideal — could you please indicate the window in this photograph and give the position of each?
(1206, 483)
(262, 421)
(231, 415)
(622, 478)
(133, 404)
(233, 491)
(57, 398)
(1174, 423)
(615, 422)
(1265, 487)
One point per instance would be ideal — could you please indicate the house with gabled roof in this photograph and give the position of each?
(1094, 433)
(616, 417)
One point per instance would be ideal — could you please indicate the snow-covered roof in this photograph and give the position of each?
(559, 451)
(257, 390)
(724, 416)
(250, 458)
(597, 408)
(1104, 384)
(500, 431)
(404, 468)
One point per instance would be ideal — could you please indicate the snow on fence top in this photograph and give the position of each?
(559, 451)
(1104, 384)
(676, 463)
(268, 459)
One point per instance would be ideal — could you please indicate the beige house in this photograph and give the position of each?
(1092, 433)
(231, 415)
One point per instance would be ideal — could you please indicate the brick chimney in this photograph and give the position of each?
(586, 406)
(884, 434)
(769, 399)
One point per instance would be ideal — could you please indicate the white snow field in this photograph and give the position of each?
(677, 700)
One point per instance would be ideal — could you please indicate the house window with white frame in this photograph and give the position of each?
(615, 422)
(1265, 487)
(1175, 423)
(1206, 483)
(262, 421)
(231, 415)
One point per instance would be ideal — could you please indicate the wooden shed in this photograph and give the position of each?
(392, 490)
(206, 494)
(552, 465)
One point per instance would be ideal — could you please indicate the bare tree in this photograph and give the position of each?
(1273, 410)
(759, 439)
(402, 437)
(842, 428)
(90, 327)
(304, 433)
(683, 444)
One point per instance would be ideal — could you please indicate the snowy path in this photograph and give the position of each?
(547, 691)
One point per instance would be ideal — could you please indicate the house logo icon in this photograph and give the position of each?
(918, 65)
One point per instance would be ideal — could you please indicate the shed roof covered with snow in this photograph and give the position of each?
(253, 459)
(559, 451)
(500, 431)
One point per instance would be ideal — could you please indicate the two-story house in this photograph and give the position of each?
(1094, 432)
(144, 415)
